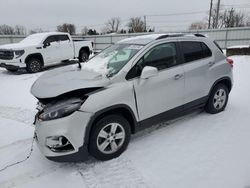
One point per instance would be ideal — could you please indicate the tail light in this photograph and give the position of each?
(92, 44)
(230, 61)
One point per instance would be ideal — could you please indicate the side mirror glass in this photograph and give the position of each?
(149, 72)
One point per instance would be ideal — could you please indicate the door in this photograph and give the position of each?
(66, 48)
(163, 92)
(197, 61)
(50, 50)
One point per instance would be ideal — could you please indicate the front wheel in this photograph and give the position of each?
(83, 56)
(34, 65)
(218, 99)
(109, 138)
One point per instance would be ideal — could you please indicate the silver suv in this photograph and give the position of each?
(95, 107)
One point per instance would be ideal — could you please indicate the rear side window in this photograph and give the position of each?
(206, 51)
(193, 51)
(63, 37)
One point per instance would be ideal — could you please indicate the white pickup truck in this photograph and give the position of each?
(43, 49)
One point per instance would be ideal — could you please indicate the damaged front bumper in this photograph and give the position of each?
(62, 140)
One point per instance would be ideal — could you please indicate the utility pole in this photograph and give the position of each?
(210, 14)
(145, 23)
(217, 13)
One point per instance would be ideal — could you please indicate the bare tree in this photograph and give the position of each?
(136, 25)
(233, 18)
(112, 25)
(85, 31)
(37, 30)
(6, 30)
(228, 18)
(67, 27)
(20, 30)
(198, 25)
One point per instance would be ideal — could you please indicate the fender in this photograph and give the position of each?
(100, 113)
(226, 79)
(35, 55)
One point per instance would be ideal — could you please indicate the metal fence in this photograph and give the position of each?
(225, 37)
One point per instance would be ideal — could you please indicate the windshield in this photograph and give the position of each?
(111, 60)
(33, 39)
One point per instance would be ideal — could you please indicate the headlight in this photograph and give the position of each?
(19, 53)
(60, 109)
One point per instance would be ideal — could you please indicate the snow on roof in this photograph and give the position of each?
(239, 46)
(37, 38)
(145, 39)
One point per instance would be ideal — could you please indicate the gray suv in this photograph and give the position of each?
(94, 108)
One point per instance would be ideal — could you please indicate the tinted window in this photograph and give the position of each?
(206, 51)
(192, 51)
(50, 39)
(63, 37)
(162, 56)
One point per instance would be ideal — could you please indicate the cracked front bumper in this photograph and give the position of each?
(73, 128)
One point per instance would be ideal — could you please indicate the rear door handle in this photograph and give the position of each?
(178, 76)
(211, 63)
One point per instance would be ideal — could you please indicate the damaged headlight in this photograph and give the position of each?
(60, 109)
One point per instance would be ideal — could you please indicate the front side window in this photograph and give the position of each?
(111, 60)
(161, 57)
(50, 39)
(206, 51)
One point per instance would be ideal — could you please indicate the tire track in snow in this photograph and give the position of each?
(118, 173)
(17, 114)
(33, 175)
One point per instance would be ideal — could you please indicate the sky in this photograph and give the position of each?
(47, 14)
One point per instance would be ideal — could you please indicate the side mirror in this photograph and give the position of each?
(46, 44)
(149, 72)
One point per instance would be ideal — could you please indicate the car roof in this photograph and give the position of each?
(45, 34)
(146, 39)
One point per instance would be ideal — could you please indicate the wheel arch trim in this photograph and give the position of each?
(99, 114)
(35, 55)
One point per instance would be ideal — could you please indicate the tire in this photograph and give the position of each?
(83, 56)
(12, 70)
(34, 65)
(218, 99)
(104, 143)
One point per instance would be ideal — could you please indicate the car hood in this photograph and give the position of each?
(64, 80)
(15, 46)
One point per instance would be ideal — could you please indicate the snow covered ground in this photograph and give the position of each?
(198, 150)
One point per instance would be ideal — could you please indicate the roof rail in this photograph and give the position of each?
(170, 35)
(199, 35)
(180, 35)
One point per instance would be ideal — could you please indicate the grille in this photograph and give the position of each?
(6, 54)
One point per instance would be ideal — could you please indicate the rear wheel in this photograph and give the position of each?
(218, 99)
(109, 138)
(83, 56)
(34, 65)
